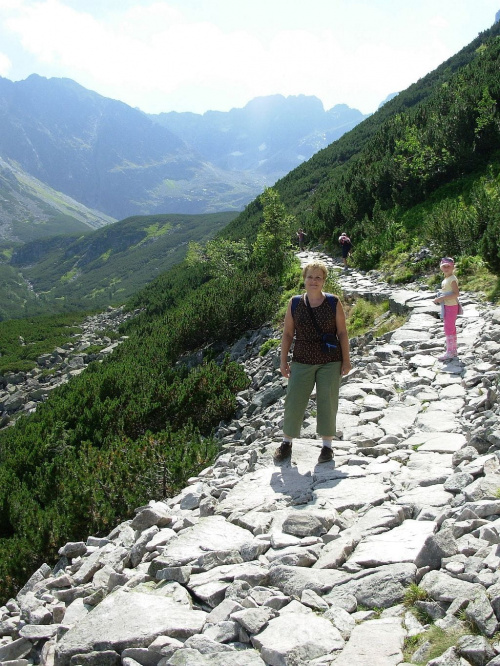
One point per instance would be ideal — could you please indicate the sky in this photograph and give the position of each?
(200, 55)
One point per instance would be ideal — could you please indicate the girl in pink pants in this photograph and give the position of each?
(449, 307)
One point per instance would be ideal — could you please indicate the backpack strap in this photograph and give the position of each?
(332, 300)
(295, 302)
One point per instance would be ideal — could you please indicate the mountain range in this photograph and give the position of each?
(269, 136)
(112, 158)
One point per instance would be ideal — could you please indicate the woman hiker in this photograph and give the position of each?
(317, 360)
(450, 305)
(346, 246)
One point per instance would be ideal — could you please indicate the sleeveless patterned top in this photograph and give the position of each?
(307, 347)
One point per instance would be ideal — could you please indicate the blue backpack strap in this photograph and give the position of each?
(295, 302)
(333, 302)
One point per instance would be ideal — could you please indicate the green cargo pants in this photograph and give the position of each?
(302, 379)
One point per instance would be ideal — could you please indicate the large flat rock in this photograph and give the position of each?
(297, 638)
(381, 587)
(374, 643)
(294, 580)
(401, 544)
(397, 418)
(425, 469)
(348, 493)
(407, 337)
(128, 619)
(276, 484)
(425, 496)
(211, 533)
(437, 422)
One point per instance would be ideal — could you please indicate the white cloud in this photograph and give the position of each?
(5, 65)
(10, 4)
(194, 55)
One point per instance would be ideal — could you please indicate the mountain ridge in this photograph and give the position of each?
(119, 160)
(101, 268)
(267, 135)
(30, 209)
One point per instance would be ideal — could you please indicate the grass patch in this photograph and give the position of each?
(272, 343)
(363, 316)
(439, 640)
(411, 645)
(473, 275)
(414, 593)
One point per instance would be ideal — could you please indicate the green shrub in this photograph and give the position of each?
(131, 428)
(362, 315)
(22, 341)
(272, 343)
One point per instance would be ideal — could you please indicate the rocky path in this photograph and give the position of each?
(255, 564)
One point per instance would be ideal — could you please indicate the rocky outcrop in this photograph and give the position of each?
(255, 564)
(20, 392)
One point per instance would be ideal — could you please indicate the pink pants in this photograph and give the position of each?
(450, 318)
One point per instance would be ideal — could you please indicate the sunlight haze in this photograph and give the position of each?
(199, 55)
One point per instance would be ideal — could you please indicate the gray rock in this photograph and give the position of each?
(253, 620)
(380, 587)
(404, 543)
(139, 548)
(128, 619)
(475, 649)
(17, 649)
(73, 549)
(448, 658)
(341, 620)
(302, 524)
(157, 514)
(97, 658)
(442, 587)
(210, 533)
(299, 637)
(206, 645)
(376, 642)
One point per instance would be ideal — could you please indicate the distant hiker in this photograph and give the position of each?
(320, 357)
(300, 235)
(346, 246)
(450, 306)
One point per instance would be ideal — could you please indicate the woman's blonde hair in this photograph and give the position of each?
(315, 265)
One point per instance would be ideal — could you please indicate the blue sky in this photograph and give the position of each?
(199, 55)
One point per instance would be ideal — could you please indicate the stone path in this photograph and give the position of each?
(256, 564)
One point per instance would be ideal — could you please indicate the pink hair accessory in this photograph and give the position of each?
(447, 261)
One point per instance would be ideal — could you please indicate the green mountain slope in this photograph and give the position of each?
(30, 209)
(101, 268)
(443, 128)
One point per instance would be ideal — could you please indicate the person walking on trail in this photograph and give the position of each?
(346, 246)
(301, 235)
(450, 307)
(316, 321)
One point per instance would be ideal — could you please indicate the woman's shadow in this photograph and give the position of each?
(297, 479)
